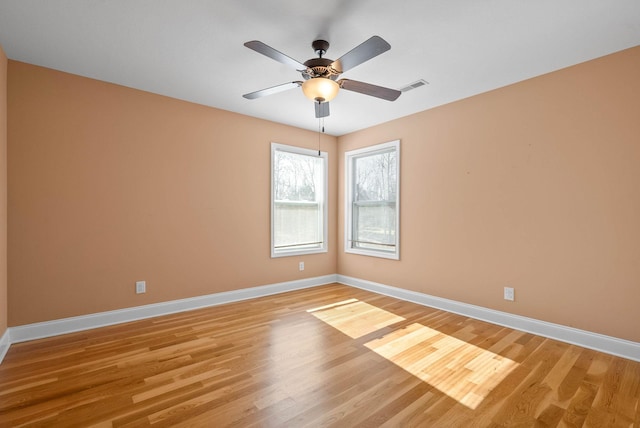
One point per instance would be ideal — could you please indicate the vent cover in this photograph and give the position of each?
(414, 85)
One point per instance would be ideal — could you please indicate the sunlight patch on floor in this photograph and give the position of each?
(464, 372)
(355, 318)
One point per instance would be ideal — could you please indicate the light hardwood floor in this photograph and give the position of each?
(325, 356)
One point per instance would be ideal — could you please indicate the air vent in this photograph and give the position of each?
(414, 85)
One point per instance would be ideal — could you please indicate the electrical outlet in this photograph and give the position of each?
(141, 287)
(301, 266)
(509, 294)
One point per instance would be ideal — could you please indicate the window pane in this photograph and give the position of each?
(298, 200)
(296, 176)
(375, 226)
(373, 204)
(374, 195)
(297, 224)
(375, 177)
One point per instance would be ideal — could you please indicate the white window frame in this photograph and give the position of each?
(349, 183)
(321, 248)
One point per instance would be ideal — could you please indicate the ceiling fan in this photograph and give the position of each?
(321, 74)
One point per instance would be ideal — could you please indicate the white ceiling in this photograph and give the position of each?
(193, 49)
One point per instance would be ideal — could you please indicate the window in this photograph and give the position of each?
(372, 206)
(298, 201)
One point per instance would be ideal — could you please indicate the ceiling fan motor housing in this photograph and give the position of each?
(319, 67)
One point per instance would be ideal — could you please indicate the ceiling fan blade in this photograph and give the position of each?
(361, 53)
(274, 54)
(272, 90)
(322, 109)
(369, 89)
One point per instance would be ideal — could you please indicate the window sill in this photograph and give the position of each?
(297, 252)
(373, 253)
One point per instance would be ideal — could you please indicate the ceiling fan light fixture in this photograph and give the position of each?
(320, 89)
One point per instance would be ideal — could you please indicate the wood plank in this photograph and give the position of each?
(325, 356)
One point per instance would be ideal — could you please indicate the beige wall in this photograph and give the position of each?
(3, 192)
(109, 185)
(534, 186)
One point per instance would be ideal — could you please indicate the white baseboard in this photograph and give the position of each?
(610, 345)
(85, 322)
(5, 342)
